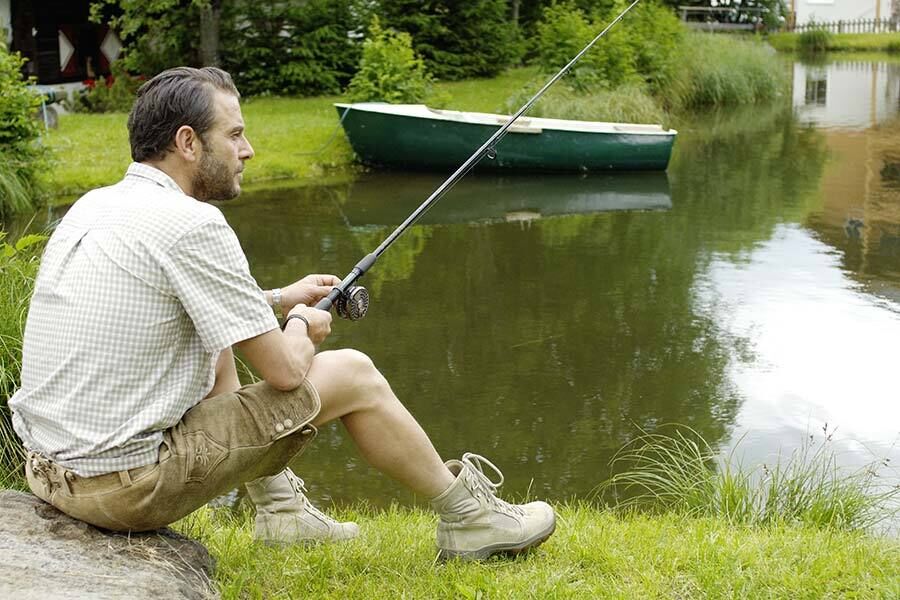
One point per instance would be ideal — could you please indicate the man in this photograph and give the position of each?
(130, 405)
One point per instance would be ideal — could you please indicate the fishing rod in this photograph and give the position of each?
(352, 301)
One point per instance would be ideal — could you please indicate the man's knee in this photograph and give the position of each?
(356, 367)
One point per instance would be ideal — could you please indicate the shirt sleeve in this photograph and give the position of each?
(211, 277)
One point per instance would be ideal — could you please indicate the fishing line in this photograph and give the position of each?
(352, 301)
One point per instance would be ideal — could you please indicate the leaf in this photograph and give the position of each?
(29, 240)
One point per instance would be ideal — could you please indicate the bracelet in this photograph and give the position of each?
(295, 316)
(276, 303)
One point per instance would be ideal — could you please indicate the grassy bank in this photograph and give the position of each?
(842, 42)
(594, 554)
(294, 138)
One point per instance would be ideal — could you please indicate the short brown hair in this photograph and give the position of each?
(174, 98)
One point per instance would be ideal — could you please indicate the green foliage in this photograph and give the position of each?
(641, 47)
(20, 156)
(564, 30)
(457, 39)
(389, 70)
(717, 70)
(814, 40)
(292, 48)
(157, 34)
(18, 269)
(655, 35)
(681, 472)
(113, 94)
(617, 78)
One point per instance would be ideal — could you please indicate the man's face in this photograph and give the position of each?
(224, 150)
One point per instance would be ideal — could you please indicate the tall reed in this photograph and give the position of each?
(18, 268)
(17, 191)
(628, 103)
(717, 70)
(813, 40)
(682, 473)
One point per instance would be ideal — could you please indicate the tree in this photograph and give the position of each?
(158, 34)
(457, 39)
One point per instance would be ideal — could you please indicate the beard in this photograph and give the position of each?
(214, 180)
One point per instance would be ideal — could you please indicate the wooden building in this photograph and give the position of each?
(59, 41)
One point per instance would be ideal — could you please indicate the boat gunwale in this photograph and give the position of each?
(524, 124)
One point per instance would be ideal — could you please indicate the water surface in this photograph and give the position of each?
(751, 293)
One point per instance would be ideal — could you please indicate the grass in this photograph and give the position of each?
(720, 70)
(16, 189)
(841, 42)
(18, 269)
(681, 472)
(294, 138)
(593, 554)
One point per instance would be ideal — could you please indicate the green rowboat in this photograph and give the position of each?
(414, 136)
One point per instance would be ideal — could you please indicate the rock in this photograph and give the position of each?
(45, 554)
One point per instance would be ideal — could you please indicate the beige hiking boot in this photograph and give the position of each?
(475, 523)
(284, 515)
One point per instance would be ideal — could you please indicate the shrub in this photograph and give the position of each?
(20, 155)
(389, 70)
(655, 35)
(564, 31)
(113, 94)
(813, 40)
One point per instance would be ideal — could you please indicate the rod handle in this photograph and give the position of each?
(358, 271)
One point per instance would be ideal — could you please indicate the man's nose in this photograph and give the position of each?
(246, 152)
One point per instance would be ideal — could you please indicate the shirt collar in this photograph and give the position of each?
(153, 174)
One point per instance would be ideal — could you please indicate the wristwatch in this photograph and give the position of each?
(276, 303)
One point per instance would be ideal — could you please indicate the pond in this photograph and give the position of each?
(752, 293)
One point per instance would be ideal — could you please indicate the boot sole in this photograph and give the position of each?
(507, 549)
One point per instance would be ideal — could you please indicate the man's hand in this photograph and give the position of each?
(319, 322)
(308, 291)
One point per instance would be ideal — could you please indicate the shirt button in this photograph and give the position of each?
(288, 423)
(279, 427)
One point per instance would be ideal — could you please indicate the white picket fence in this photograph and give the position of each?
(852, 26)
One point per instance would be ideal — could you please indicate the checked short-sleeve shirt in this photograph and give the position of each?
(139, 290)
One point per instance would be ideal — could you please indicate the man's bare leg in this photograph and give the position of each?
(389, 438)
(474, 523)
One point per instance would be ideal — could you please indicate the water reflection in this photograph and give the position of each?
(846, 94)
(817, 349)
(548, 343)
(387, 199)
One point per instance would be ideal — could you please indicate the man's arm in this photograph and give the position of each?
(282, 358)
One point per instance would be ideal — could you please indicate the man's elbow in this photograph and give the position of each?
(290, 376)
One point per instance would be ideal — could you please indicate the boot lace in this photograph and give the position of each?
(300, 489)
(484, 487)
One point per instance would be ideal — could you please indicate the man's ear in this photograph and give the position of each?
(187, 143)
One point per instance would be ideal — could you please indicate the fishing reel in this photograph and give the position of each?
(353, 304)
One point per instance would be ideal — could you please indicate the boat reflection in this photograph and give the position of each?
(379, 199)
